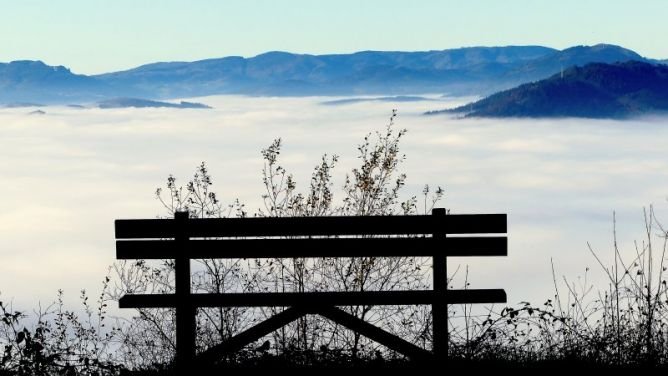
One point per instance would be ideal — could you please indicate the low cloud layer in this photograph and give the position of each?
(68, 174)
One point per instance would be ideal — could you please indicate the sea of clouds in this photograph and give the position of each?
(66, 175)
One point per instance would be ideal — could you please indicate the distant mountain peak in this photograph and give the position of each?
(37, 64)
(602, 48)
(28, 67)
(27, 63)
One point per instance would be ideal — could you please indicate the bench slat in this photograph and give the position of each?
(314, 226)
(311, 299)
(322, 247)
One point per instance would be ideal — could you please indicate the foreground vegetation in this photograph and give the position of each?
(624, 324)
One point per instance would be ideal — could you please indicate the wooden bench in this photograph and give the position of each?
(183, 239)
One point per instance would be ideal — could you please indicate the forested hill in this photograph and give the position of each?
(595, 90)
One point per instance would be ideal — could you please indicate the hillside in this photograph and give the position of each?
(34, 81)
(596, 90)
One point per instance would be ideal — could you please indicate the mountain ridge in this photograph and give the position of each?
(460, 71)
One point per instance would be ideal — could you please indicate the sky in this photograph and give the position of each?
(97, 36)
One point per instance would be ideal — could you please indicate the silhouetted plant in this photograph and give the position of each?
(371, 189)
(625, 324)
(60, 342)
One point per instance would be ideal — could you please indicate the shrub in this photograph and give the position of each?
(373, 188)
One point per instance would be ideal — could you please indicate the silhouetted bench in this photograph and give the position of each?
(363, 236)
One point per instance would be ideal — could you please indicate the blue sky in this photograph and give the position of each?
(95, 36)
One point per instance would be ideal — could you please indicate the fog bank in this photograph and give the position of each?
(68, 174)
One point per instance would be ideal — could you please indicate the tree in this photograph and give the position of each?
(373, 188)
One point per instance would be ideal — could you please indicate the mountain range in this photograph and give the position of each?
(461, 71)
(145, 103)
(596, 90)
